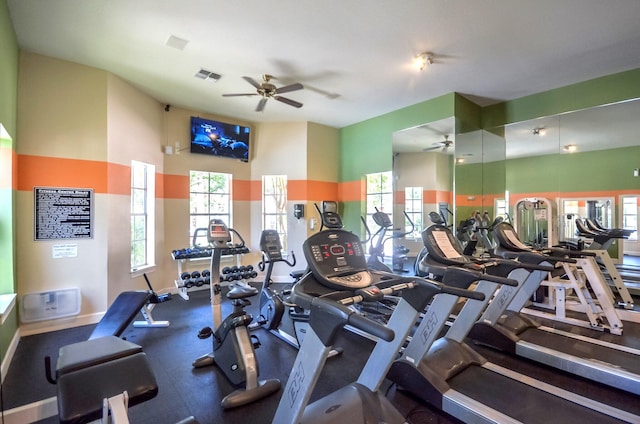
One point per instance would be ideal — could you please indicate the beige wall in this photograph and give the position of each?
(70, 111)
(134, 132)
(61, 114)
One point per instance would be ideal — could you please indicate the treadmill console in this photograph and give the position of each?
(218, 233)
(442, 246)
(336, 260)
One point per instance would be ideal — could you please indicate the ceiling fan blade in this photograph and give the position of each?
(239, 94)
(252, 82)
(290, 87)
(427, 149)
(288, 101)
(261, 104)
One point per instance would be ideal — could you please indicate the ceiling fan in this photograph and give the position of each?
(267, 90)
(444, 145)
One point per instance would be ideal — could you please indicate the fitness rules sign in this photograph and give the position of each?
(63, 213)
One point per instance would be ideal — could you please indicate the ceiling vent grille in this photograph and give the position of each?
(206, 75)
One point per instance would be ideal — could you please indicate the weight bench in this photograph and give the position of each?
(102, 377)
(124, 309)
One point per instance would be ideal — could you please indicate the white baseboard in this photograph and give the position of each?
(11, 350)
(32, 412)
(59, 324)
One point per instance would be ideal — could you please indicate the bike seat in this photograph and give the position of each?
(241, 292)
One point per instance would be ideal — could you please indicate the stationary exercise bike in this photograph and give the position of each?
(272, 302)
(233, 348)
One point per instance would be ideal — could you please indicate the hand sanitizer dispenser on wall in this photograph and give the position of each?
(298, 210)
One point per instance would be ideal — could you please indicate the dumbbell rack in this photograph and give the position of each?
(200, 257)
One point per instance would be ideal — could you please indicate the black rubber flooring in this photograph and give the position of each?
(185, 391)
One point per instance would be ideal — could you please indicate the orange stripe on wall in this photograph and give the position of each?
(175, 186)
(351, 191)
(34, 171)
(244, 190)
(120, 179)
(317, 190)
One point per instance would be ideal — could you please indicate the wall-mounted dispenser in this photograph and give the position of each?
(298, 210)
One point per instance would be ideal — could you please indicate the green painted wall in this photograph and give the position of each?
(8, 71)
(8, 120)
(601, 170)
(365, 147)
(597, 92)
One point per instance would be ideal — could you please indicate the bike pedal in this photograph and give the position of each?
(205, 333)
(255, 341)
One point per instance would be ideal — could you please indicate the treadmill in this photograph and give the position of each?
(451, 376)
(339, 278)
(591, 354)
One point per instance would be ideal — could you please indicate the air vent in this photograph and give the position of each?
(176, 42)
(205, 75)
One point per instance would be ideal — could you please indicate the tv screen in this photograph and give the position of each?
(219, 139)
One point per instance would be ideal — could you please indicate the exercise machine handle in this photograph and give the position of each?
(494, 278)
(371, 327)
(469, 294)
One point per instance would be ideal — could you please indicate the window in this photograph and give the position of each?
(209, 198)
(380, 196)
(274, 205)
(630, 215)
(501, 208)
(413, 209)
(142, 215)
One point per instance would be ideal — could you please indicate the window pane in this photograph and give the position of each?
(219, 203)
(198, 182)
(199, 203)
(138, 175)
(138, 201)
(139, 227)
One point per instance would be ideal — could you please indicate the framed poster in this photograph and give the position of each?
(63, 213)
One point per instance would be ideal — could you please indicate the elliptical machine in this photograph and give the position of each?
(378, 239)
(233, 349)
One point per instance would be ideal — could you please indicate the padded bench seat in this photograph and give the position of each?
(121, 312)
(81, 393)
(93, 352)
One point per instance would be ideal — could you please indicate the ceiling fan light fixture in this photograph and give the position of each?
(422, 60)
(539, 131)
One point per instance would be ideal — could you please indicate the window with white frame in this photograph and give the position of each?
(630, 215)
(274, 205)
(142, 215)
(501, 208)
(413, 209)
(380, 196)
(209, 198)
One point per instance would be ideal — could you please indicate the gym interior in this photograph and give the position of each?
(66, 132)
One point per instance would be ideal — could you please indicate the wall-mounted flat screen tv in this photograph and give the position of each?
(219, 139)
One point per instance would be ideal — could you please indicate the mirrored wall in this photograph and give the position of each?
(579, 164)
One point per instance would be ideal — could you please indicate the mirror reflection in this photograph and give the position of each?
(542, 174)
(578, 165)
(423, 166)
